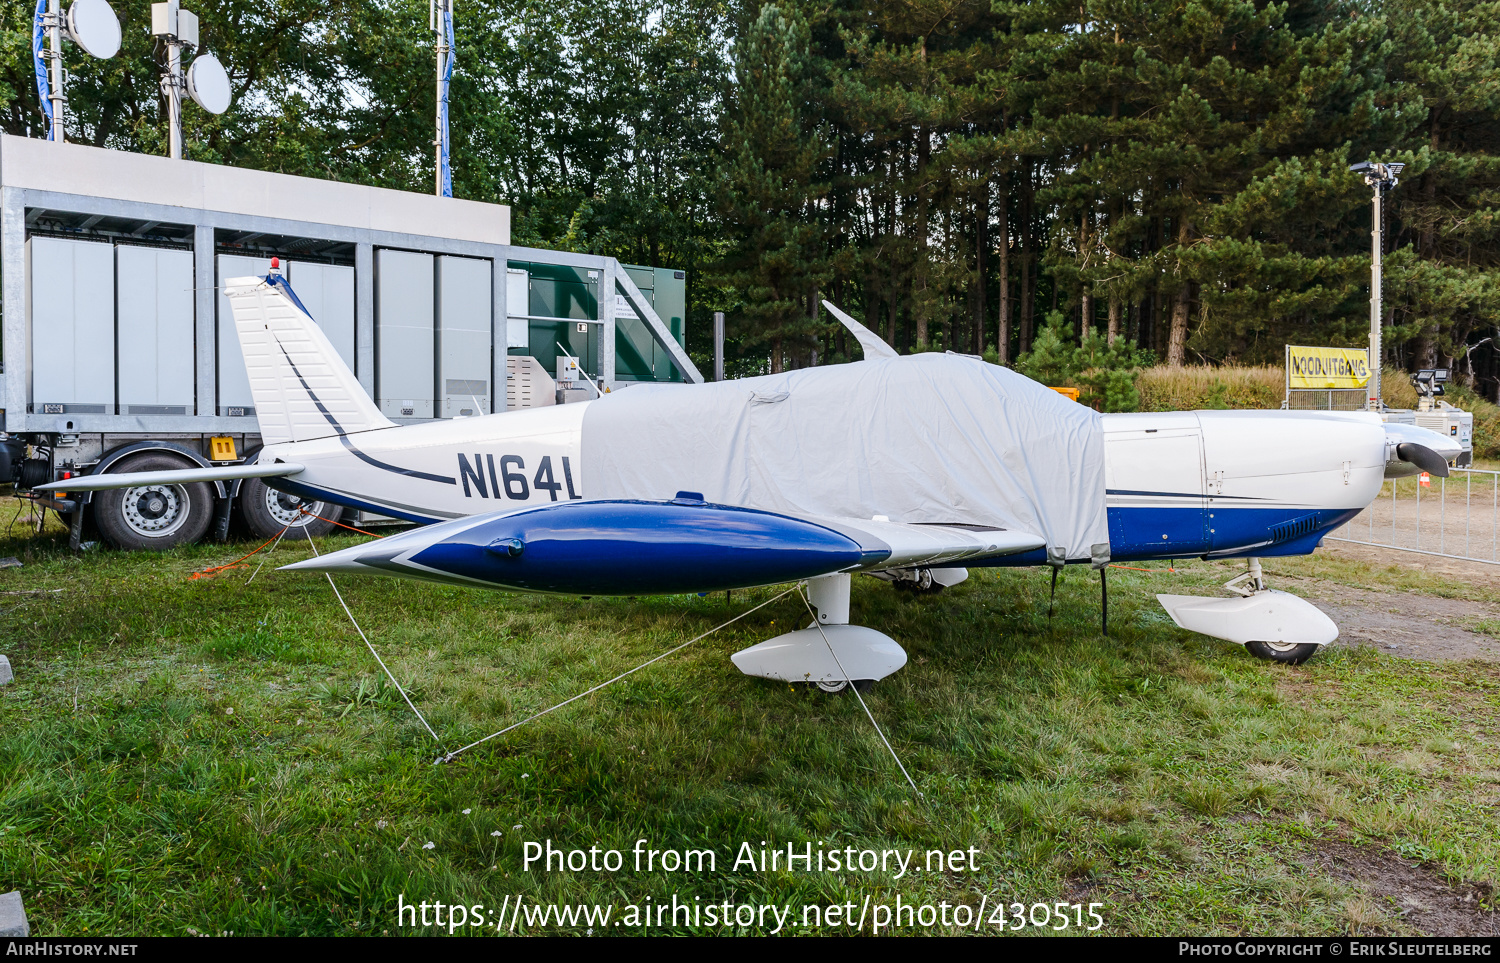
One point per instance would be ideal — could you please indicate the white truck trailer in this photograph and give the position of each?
(119, 354)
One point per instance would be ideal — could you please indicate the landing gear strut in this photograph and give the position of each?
(808, 655)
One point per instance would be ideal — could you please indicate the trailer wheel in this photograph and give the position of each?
(267, 511)
(153, 517)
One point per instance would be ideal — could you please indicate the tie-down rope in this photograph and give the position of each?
(450, 756)
(850, 683)
(338, 595)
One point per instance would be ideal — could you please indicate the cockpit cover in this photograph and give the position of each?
(924, 438)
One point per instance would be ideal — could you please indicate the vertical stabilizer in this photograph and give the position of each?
(302, 388)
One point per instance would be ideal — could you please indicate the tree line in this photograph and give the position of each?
(955, 172)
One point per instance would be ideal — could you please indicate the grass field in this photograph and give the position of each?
(205, 756)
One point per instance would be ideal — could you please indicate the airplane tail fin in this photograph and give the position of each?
(302, 388)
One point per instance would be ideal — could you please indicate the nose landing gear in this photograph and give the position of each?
(1270, 625)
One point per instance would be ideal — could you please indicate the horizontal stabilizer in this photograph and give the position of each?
(138, 479)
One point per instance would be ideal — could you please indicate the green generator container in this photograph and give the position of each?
(564, 295)
(638, 355)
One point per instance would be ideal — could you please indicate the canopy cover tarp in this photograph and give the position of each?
(926, 438)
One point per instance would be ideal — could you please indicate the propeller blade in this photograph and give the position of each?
(1423, 457)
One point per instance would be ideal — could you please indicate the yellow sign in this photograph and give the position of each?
(1327, 367)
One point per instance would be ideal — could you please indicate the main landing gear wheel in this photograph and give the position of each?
(834, 688)
(154, 517)
(1291, 653)
(267, 511)
(921, 582)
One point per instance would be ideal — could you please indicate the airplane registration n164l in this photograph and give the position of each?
(911, 468)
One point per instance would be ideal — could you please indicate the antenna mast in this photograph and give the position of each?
(440, 19)
(92, 25)
(54, 38)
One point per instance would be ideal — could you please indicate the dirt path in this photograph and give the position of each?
(1419, 894)
(1478, 573)
(1405, 624)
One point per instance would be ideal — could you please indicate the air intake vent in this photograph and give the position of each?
(1294, 529)
(51, 408)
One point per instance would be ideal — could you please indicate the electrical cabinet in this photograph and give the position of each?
(154, 330)
(639, 353)
(517, 307)
(562, 303)
(404, 334)
(465, 310)
(71, 302)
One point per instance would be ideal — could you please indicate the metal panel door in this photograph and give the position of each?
(327, 291)
(155, 330)
(404, 371)
(517, 307)
(234, 383)
(465, 300)
(72, 302)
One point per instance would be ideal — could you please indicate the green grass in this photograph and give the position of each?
(208, 756)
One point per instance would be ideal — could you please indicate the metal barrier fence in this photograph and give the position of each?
(1453, 517)
(1326, 399)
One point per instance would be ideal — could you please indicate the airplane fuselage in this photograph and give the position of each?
(1179, 484)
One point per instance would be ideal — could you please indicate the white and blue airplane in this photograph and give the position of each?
(911, 468)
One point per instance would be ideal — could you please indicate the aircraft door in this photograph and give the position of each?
(1155, 484)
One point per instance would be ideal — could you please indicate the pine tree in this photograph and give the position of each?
(1198, 157)
(774, 177)
(1443, 280)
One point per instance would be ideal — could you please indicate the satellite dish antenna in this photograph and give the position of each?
(93, 26)
(207, 82)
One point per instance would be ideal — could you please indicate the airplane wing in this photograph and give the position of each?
(636, 547)
(929, 545)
